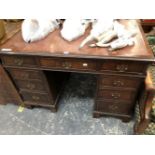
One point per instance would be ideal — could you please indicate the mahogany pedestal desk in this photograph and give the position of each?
(120, 74)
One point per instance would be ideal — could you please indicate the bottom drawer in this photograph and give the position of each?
(114, 107)
(36, 97)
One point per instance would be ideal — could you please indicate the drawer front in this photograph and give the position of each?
(25, 74)
(116, 95)
(68, 64)
(19, 61)
(36, 97)
(30, 85)
(124, 66)
(119, 81)
(114, 107)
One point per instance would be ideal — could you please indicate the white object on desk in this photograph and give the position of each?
(74, 28)
(99, 27)
(124, 38)
(37, 29)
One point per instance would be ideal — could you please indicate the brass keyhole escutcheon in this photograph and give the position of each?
(122, 68)
(30, 86)
(18, 61)
(116, 95)
(67, 65)
(35, 98)
(118, 83)
(113, 107)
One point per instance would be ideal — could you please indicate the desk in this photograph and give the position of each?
(120, 74)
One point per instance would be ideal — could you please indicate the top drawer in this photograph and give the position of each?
(124, 66)
(73, 64)
(19, 61)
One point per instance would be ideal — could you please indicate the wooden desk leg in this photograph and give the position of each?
(29, 106)
(96, 115)
(54, 109)
(126, 120)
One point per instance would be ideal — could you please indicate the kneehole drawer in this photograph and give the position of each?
(68, 64)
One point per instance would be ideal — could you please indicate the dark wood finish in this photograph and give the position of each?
(116, 91)
(128, 67)
(37, 88)
(121, 82)
(71, 64)
(32, 97)
(30, 85)
(113, 107)
(19, 61)
(123, 67)
(25, 74)
(8, 93)
(111, 94)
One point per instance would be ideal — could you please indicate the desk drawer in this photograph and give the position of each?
(19, 61)
(25, 74)
(123, 66)
(30, 85)
(122, 95)
(41, 98)
(114, 107)
(119, 82)
(68, 64)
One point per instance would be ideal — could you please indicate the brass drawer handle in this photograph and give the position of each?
(116, 95)
(35, 98)
(66, 65)
(118, 83)
(18, 61)
(122, 68)
(30, 86)
(113, 107)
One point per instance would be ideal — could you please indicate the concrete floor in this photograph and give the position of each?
(74, 115)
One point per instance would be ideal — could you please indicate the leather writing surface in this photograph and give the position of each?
(55, 44)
